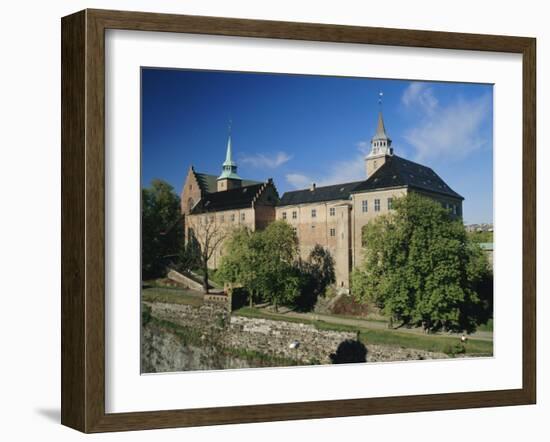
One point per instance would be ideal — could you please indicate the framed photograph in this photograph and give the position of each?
(267, 221)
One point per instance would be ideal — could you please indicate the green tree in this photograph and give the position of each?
(318, 273)
(279, 278)
(239, 264)
(161, 228)
(420, 268)
(263, 262)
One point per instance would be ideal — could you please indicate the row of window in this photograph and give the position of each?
(332, 210)
(222, 218)
(365, 205)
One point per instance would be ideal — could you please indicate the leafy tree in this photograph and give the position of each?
(420, 268)
(239, 264)
(263, 262)
(318, 272)
(189, 257)
(161, 228)
(279, 279)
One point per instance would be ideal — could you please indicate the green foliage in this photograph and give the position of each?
(263, 262)
(318, 273)
(420, 268)
(145, 315)
(189, 257)
(161, 228)
(479, 237)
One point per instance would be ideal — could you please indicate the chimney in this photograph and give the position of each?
(312, 187)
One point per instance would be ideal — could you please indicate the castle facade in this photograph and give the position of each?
(331, 216)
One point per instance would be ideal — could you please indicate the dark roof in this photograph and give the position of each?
(238, 198)
(325, 193)
(399, 172)
(209, 184)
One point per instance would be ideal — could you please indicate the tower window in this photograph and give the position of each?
(365, 206)
(332, 232)
(232, 217)
(294, 214)
(284, 215)
(390, 203)
(332, 211)
(313, 213)
(377, 205)
(242, 216)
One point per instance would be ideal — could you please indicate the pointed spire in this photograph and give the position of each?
(229, 155)
(229, 167)
(380, 143)
(380, 128)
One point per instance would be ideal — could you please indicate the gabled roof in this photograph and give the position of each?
(399, 172)
(319, 194)
(209, 184)
(239, 198)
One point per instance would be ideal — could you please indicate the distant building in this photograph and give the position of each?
(332, 216)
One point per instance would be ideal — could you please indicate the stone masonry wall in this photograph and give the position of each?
(273, 338)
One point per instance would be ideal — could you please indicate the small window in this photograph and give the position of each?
(377, 205)
(454, 209)
(332, 232)
(284, 215)
(232, 217)
(313, 213)
(332, 211)
(294, 214)
(313, 227)
(390, 203)
(364, 206)
(242, 216)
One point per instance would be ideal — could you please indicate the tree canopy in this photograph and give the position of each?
(161, 228)
(263, 262)
(420, 267)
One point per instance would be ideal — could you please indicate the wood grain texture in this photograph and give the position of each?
(83, 219)
(73, 253)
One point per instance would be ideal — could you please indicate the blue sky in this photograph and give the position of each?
(299, 129)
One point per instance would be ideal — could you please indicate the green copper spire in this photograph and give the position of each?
(229, 168)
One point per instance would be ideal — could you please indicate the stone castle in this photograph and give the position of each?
(332, 216)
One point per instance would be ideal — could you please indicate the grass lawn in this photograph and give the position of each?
(442, 344)
(171, 296)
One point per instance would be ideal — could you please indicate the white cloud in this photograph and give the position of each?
(298, 180)
(339, 172)
(364, 146)
(450, 131)
(420, 95)
(265, 161)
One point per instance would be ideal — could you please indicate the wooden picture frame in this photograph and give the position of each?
(83, 220)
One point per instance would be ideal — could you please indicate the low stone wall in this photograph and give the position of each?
(209, 317)
(222, 330)
(274, 338)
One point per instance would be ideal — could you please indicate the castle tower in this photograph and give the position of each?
(380, 145)
(229, 178)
